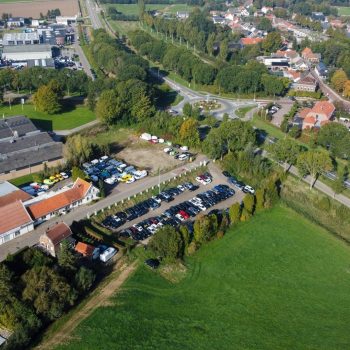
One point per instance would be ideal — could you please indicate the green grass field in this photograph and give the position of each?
(343, 11)
(276, 282)
(241, 112)
(132, 9)
(69, 118)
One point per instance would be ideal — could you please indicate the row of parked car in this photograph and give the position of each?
(113, 222)
(238, 184)
(179, 213)
(112, 171)
(38, 189)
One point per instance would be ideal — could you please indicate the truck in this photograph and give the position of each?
(108, 254)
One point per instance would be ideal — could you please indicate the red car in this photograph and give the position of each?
(184, 214)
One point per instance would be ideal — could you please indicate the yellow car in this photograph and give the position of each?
(53, 179)
(59, 177)
(125, 178)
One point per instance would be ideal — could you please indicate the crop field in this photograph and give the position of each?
(34, 8)
(275, 282)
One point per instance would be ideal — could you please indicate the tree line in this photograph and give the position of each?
(36, 289)
(251, 77)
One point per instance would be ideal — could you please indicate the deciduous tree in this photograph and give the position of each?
(313, 163)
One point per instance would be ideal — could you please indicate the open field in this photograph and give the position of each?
(69, 118)
(344, 11)
(33, 8)
(276, 282)
(132, 9)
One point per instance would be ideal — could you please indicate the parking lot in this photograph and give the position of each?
(184, 204)
(149, 156)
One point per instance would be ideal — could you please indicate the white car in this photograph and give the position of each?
(131, 180)
(140, 174)
(201, 206)
(64, 175)
(184, 148)
(104, 158)
(180, 217)
(183, 157)
(138, 227)
(248, 189)
(109, 181)
(203, 180)
(157, 199)
(181, 188)
(167, 149)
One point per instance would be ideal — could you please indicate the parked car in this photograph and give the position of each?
(248, 189)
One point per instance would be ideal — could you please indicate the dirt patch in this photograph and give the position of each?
(101, 298)
(33, 8)
(173, 273)
(148, 156)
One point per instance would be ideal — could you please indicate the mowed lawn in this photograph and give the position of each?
(344, 11)
(69, 118)
(276, 282)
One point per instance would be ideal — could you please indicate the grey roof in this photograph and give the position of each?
(45, 63)
(6, 188)
(31, 157)
(24, 143)
(27, 146)
(27, 48)
(19, 123)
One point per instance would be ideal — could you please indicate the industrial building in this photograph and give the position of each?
(23, 146)
(27, 52)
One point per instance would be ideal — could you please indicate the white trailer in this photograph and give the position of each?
(108, 254)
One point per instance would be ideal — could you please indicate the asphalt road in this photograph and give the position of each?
(332, 95)
(93, 10)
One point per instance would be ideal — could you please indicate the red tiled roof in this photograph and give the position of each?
(84, 249)
(61, 200)
(58, 233)
(324, 107)
(251, 41)
(310, 120)
(13, 215)
(14, 196)
(304, 112)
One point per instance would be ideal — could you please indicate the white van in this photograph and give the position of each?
(108, 254)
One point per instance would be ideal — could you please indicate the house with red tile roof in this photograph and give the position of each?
(251, 41)
(10, 193)
(54, 236)
(44, 208)
(14, 221)
(87, 250)
(320, 114)
(310, 56)
(306, 83)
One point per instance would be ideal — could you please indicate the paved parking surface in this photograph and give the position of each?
(187, 195)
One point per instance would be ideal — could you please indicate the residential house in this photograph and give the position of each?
(321, 70)
(306, 83)
(310, 56)
(300, 65)
(87, 250)
(318, 16)
(292, 74)
(250, 41)
(54, 236)
(291, 54)
(44, 208)
(182, 15)
(218, 20)
(320, 114)
(14, 221)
